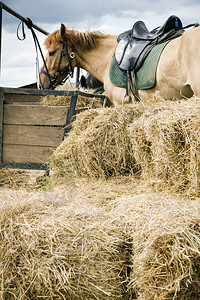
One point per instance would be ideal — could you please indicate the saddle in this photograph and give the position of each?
(133, 45)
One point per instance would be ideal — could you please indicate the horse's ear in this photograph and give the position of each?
(62, 30)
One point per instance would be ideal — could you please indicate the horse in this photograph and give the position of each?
(89, 82)
(177, 75)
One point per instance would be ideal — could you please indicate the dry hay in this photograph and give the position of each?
(18, 179)
(82, 101)
(165, 234)
(161, 140)
(98, 145)
(116, 238)
(166, 144)
(56, 247)
(90, 240)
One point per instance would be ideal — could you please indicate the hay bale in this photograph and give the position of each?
(64, 161)
(160, 140)
(165, 235)
(99, 147)
(56, 247)
(166, 144)
(141, 146)
(97, 239)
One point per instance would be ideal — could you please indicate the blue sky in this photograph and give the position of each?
(113, 17)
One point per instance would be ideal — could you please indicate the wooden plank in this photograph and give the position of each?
(25, 91)
(28, 91)
(35, 115)
(25, 166)
(32, 135)
(26, 154)
(10, 98)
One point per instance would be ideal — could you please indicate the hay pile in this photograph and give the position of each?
(85, 241)
(82, 101)
(98, 145)
(159, 141)
(17, 179)
(166, 143)
(126, 237)
(54, 247)
(165, 232)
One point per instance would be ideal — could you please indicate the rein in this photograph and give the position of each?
(29, 24)
(67, 70)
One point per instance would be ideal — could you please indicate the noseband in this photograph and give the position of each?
(67, 70)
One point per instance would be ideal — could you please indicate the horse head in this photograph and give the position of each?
(60, 59)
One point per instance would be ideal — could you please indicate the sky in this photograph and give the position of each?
(18, 59)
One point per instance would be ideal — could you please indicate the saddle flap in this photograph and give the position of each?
(127, 53)
(120, 50)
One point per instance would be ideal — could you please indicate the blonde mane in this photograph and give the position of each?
(86, 40)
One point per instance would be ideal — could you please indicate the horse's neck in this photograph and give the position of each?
(97, 61)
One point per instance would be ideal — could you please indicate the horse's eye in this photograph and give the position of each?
(52, 53)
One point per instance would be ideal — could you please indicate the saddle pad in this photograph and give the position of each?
(145, 76)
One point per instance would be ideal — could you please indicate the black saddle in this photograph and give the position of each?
(133, 45)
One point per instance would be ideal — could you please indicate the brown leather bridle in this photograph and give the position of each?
(67, 70)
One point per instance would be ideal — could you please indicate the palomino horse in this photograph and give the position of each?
(178, 71)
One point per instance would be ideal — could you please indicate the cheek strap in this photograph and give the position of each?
(67, 70)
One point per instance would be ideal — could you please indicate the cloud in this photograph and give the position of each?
(48, 11)
(90, 13)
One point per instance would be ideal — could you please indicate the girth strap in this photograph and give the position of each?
(131, 87)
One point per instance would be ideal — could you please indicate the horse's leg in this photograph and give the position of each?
(115, 94)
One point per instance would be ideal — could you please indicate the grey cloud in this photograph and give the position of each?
(91, 12)
(48, 11)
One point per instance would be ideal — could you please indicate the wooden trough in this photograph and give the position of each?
(30, 132)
